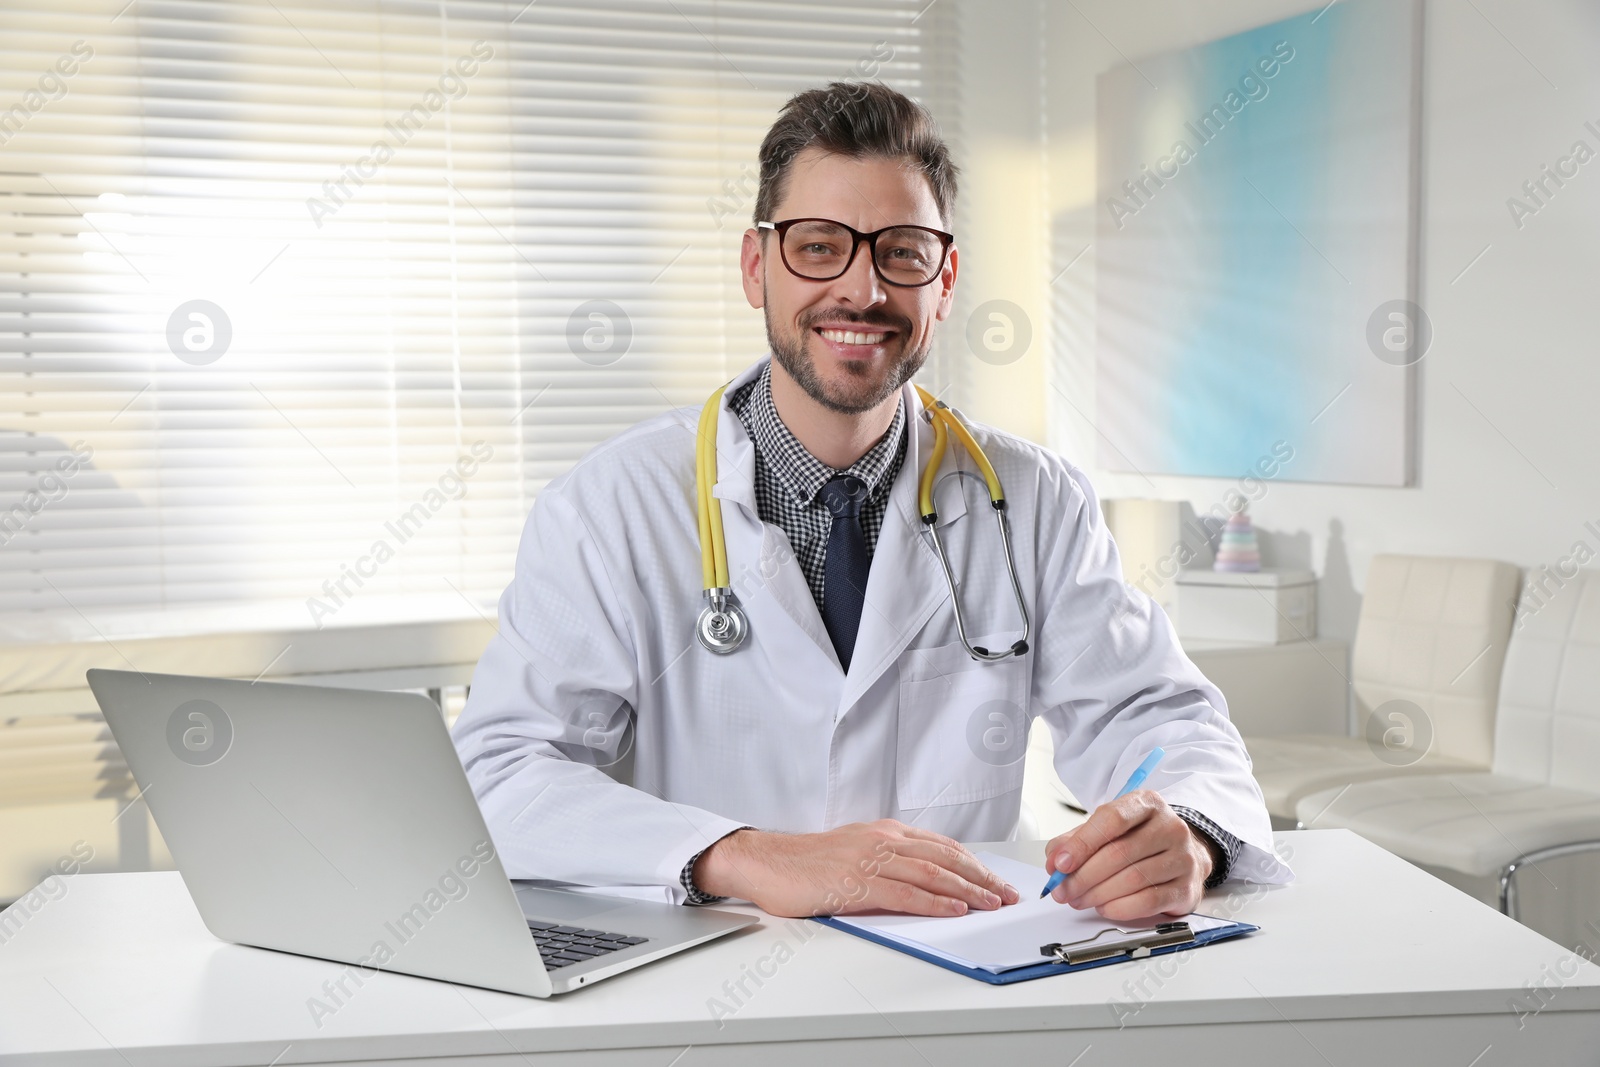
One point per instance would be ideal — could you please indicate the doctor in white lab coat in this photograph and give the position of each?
(773, 774)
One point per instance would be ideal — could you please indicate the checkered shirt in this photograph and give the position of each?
(789, 479)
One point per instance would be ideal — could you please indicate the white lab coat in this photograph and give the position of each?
(600, 616)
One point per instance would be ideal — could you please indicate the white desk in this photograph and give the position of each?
(1423, 975)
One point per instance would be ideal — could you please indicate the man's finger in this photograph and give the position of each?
(890, 894)
(928, 835)
(1154, 870)
(1151, 905)
(1107, 823)
(1010, 894)
(930, 875)
(964, 864)
(1140, 843)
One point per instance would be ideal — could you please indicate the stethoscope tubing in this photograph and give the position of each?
(722, 626)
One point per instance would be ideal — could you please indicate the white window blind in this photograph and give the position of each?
(442, 248)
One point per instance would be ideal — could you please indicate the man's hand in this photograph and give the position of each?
(861, 867)
(1133, 859)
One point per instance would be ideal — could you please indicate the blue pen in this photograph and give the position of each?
(1135, 780)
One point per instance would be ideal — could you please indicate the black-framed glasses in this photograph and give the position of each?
(821, 250)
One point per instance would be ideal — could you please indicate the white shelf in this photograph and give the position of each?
(1297, 687)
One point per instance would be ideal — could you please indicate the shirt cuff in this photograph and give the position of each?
(1228, 845)
(686, 878)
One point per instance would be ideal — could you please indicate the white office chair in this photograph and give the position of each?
(1540, 799)
(1432, 632)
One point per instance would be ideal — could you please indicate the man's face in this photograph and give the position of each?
(807, 320)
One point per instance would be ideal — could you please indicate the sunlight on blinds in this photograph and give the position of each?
(302, 302)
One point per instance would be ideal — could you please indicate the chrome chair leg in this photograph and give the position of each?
(1508, 874)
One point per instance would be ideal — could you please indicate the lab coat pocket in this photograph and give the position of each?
(962, 727)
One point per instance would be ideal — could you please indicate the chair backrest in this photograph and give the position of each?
(1433, 631)
(1548, 729)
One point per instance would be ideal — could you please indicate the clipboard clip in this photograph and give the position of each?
(1133, 948)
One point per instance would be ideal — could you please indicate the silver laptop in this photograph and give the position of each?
(338, 823)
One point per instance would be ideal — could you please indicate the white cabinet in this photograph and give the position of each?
(1293, 688)
(1301, 687)
(1268, 606)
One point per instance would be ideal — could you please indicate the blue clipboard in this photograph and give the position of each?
(1045, 970)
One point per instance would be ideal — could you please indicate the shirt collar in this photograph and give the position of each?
(797, 470)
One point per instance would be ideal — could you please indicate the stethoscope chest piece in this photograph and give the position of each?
(722, 626)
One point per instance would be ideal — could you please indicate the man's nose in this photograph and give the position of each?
(860, 284)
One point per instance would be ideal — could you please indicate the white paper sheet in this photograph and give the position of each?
(1009, 937)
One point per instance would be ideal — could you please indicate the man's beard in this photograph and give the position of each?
(791, 355)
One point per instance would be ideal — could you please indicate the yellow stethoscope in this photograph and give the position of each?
(723, 625)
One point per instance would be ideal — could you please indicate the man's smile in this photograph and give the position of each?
(855, 341)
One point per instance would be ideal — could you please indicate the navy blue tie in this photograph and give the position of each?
(844, 572)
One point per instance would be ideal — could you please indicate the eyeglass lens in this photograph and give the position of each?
(907, 255)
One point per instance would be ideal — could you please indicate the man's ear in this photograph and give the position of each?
(947, 286)
(752, 270)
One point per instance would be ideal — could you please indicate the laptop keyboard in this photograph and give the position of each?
(562, 946)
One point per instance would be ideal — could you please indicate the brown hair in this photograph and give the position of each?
(859, 120)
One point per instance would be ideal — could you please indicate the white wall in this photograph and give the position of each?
(1508, 424)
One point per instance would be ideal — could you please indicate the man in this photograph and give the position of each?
(832, 762)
